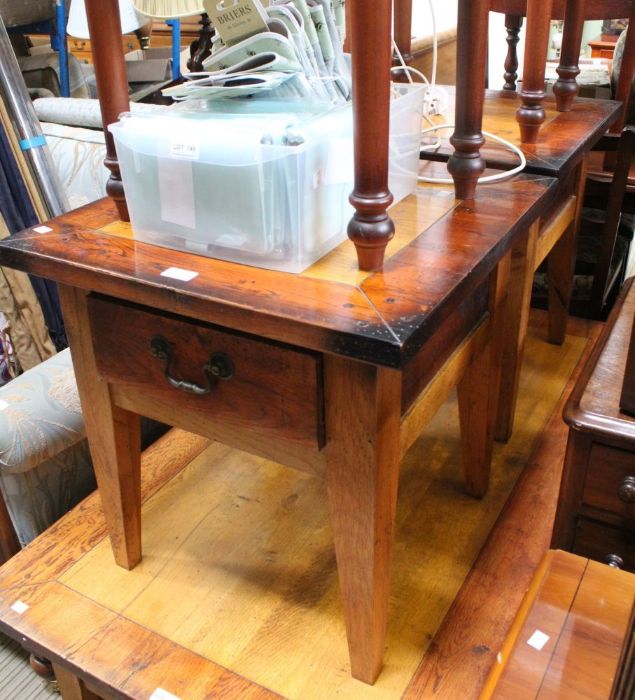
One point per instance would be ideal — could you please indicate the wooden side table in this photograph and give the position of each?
(596, 505)
(333, 371)
(603, 46)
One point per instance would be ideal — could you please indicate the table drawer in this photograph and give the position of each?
(235, 381)
(599, 541)
(610, 480)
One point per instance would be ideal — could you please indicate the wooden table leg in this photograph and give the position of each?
(363, 416)
(104, 28)
(70, 686)
(530, 114)
(561, 267)
(513, 24)
(465, 164)
(402, 12)
(566, 87)
(515, 323)
(113, 436)
(478, 390)
(371, 228)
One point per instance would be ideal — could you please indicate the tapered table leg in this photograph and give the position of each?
(566, 87)
(561, 267)
(479, 388)
(113, 436)
(531, 113)
(363, 416)
(466, 164)
(515, 324)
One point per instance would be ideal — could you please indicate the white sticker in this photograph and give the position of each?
(3, 405)
(42, 229)
(538, 640)
(185, 148)
(177, 274)
(176, 192)
(19, 607)
(160, 694)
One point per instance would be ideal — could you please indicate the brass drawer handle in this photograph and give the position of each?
(626, 490)
(219, 366)
(614, 560)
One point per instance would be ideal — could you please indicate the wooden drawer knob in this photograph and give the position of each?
(219, 366)
(626, 490)
(614, 560)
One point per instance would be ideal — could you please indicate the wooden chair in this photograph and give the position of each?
(539, 13)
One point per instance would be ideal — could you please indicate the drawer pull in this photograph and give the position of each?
(219, 366)
(614, 560)
(626, 491)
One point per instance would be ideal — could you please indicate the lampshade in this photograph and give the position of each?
(78, 26)
(167, 9)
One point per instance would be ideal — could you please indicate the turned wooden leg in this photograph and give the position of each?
(70, 686)
(465, 164)
(478, 390)
(113, 436)
(43, 667)
(561, 268)
(513, 24)
(531, 114)
(403, 35)
(104, 28)
(371, 228)
(515, 324)
(566, 87)
(363, 414)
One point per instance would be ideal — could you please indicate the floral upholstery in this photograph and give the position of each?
(45, 466)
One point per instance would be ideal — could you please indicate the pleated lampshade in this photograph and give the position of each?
(77, 25)
(168, 9)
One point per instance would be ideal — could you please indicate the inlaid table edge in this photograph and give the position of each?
(373, 339)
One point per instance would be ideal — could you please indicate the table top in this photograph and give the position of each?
(441, 254)
(594, 405)
(584, 609)
(563, 140)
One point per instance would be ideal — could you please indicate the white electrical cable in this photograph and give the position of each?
(488, 178)
(441, 97)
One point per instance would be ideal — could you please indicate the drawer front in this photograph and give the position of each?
(272, 390)
(610, 481)
(599, 541)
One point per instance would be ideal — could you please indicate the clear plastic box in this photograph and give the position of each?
(264, 189)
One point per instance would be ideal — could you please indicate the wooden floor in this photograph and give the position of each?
(248, 578)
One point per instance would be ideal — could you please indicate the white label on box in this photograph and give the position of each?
(42, 229)
(19, 607)
(538, 640)
(176, 193)
(160, 694)
(3, 405)
(185, 148)
(176, 273)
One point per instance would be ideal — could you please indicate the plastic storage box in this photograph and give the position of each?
(265, 189)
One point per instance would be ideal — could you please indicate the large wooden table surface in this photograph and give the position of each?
(564, 138)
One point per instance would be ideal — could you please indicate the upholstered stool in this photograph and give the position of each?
(45, 466)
